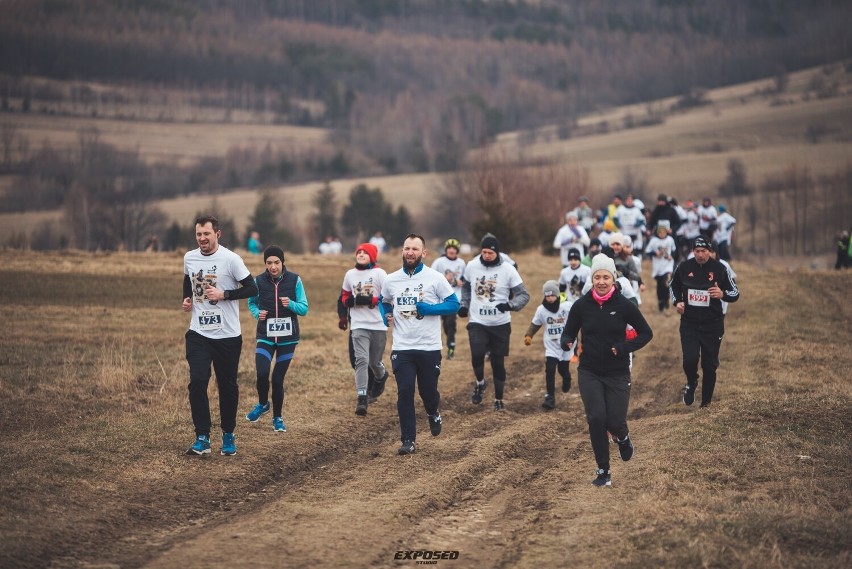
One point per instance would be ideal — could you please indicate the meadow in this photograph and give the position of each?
(94, 422)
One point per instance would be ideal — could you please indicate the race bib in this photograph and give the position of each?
(211, 320)
(279, 327)
(698, 297)
(486, 312)
(555, 331)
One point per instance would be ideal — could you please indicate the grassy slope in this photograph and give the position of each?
(686, 156)
(94, 417)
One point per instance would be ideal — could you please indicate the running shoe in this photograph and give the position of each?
(498, 405)
(625, 448)
(689, 394)
(478, 390)
(379, 386)
(406, 448)
(566, 384)
(602, 478)
(259, 410)
(278, 424)
(200, 447)
(361, 406)
(450, 353)
(549, 402)
(435, 424)
(229, 447)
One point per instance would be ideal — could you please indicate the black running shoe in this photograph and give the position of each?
(379, 386)
(625, 448)
(478, 390)
(689, 394)
(602, 478)
(549, 402)
(361, 407)
(435, 424)
(406, 448)
(498, 405)
(566, 384)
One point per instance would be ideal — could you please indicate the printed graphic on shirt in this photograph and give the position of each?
(200, 281)
(365, 288)
(485, 287)
(452, 278)
(406, 302)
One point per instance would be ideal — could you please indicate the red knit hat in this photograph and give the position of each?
(370, 250)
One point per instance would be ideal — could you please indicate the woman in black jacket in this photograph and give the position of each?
(603, 315)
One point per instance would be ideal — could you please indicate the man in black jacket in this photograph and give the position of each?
(698, 287)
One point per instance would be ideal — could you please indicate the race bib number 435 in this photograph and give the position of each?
(698, 297)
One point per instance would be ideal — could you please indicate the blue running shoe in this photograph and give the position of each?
(278, 424)
(255, 414)
(200, 447)
(229, 447)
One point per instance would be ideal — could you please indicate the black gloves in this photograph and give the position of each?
(350, 301)
(462, 312)
(342, 323)
(503, 307)
(363, 300)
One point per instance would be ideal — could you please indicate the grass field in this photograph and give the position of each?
(685, 156)
(94, 421)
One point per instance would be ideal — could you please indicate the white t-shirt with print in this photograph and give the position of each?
(662, 255)
(404, 291)
(365, 283)
(453, 271)
(583, 274)
(224, 270)
(490, 286)
(552, 324)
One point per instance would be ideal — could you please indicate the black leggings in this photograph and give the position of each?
(701, 342)
(224, 355)
(663, 291)
(263, 361)
(605, 399)
(551, 366)
(448, 322)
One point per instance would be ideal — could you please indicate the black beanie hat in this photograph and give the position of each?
(490, 242)
(273, 251)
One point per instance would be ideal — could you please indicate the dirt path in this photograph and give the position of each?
(490, 487)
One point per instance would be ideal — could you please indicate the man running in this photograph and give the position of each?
(699, 288)
(492, 288)
(412, 299)
(211, 293)
(452, 267)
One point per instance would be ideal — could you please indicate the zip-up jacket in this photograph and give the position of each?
(604, 328)
(269, 291)
(698, 307)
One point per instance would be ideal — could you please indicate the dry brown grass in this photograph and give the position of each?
(94, 420)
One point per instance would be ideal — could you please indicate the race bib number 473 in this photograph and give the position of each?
(698, 297)
(210, 320)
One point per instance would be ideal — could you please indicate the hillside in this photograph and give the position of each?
(94, 431)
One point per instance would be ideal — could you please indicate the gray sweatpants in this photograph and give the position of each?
(605, 399)
(369, 348)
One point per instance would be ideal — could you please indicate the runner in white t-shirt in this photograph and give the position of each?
(491, 290)
(552, 316)
(452, 267)
(360, 293)
(573, 278)
(211, 293)
(412, 300)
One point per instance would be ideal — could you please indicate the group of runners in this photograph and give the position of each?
(589, 314)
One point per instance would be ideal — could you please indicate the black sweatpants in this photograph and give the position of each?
(448, 323)
(418, 367)
(663, 291)
(701, 341)
(224, 355)
(605, 399)
(493, 340)
(551, 366)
